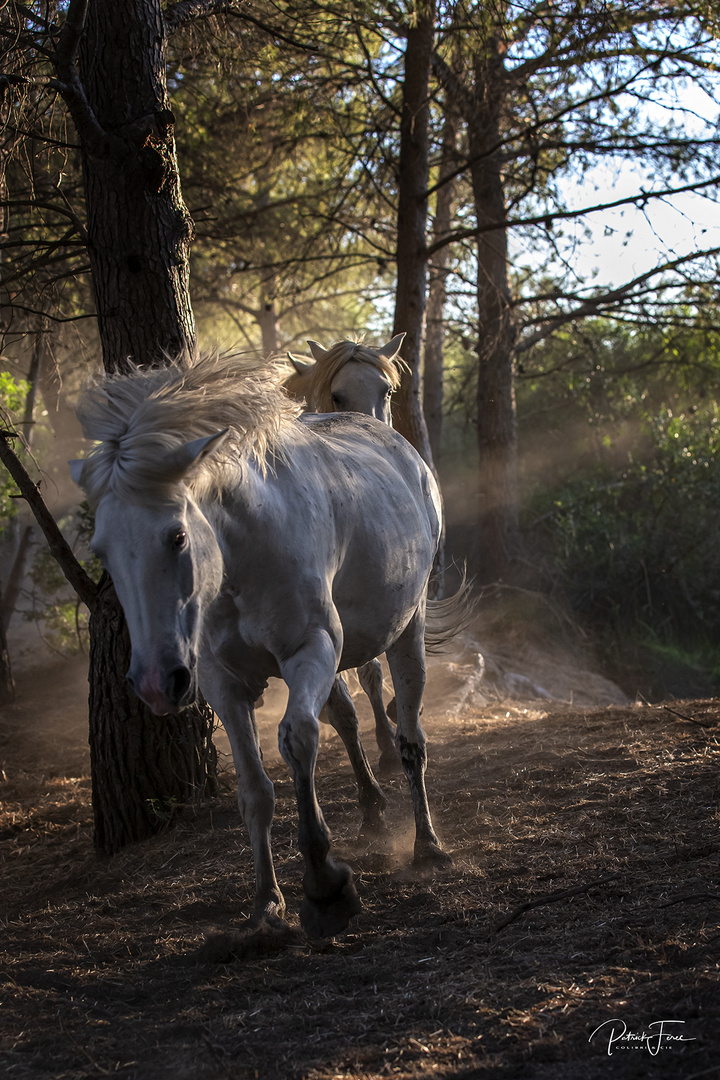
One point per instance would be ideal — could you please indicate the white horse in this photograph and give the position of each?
(353, 377)
(246, 542)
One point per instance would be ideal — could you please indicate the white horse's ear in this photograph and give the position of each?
(76, 470)
(316, 349)
(393, 347)
(302, 366)
(192, 453)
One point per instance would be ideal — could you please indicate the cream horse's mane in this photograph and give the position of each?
(140, 417)
(337, 356)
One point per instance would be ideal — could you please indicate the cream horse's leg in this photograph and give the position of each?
(371, 680)
(406, 659)
(256, 795)
(342, 716)
(330, 896)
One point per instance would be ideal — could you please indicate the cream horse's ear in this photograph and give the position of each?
(178, 462)
(76, 470)
(301, 365)
(392, 348)
(317, 350)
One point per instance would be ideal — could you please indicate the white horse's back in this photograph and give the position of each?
(384, 546)
(348, 517)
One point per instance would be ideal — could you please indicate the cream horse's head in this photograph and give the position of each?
(349, 377)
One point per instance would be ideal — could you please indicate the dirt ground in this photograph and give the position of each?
(580, 913)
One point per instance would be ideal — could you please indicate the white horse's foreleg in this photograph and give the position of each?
(330, 896)
(371, 680)
(342, 716)
(406, 659)
(255, 792)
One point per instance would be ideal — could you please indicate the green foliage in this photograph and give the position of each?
(163, 810)
(12, 394)
(625, 508)
(12, 402)
(293, 236)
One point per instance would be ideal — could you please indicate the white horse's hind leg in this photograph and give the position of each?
(371, 680)
(330, 896)
(255, 792)
(342, 716)
(407, 667)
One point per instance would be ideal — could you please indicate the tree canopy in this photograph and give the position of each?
(293, 130)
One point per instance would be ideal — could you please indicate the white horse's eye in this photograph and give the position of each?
(178, 540)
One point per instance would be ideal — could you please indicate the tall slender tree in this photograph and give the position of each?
(545, 92)
(107, 62)
(411, 245)
(444, 192)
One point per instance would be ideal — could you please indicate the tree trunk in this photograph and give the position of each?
(413, 173)
(139, 229)
(8, 603)
(7, 686)
(60, 415)
(433, 373)
(20, 529)
(268, 320)
(139, 232)
(498, 525)
(39, 346)
(143, 765)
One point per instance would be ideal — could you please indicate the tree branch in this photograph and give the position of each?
(450, 82)
(593, 304)
(185, 11)
(61, 551)
(92, 135)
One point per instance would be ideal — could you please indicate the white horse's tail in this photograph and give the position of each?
(445, 619)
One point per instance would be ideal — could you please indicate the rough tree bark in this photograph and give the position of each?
(139, 229)
(411, 250)
(498, 525)
(143, 765)
(111, 60)
(413, 174)
(433, 369)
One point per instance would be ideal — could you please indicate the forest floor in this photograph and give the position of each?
(575, 933)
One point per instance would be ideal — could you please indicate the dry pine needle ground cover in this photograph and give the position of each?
(606, 820)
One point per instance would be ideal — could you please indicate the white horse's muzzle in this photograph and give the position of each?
(165, 691)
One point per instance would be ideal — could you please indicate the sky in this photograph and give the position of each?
(628, 241)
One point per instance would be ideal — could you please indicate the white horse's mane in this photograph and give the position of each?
(138, 417)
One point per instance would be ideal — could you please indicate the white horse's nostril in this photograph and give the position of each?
(178, 684)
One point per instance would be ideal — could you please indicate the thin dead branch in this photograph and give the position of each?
(61, 551)
(691, 898)
(683, 716)
(553, 898)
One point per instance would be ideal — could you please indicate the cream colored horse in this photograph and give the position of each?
(353, 377)
(348, 377)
